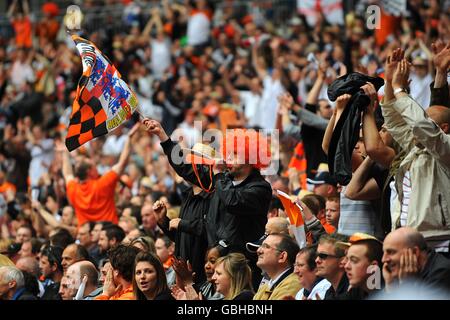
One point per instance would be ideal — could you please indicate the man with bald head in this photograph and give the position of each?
(423, 176)
(84, 272)
(277, 225)
(407, 256)
(73, 253)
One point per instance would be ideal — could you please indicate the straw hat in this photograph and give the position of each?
(202, 154)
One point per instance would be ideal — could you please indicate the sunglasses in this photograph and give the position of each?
(325, 256)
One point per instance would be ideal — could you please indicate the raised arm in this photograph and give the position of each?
(257, 63)
(394, 122)
(423, 129)
(441, 60)
(26, 7)
(341, 103)
(203, 178)
(313, 95)
(119, 167)
(361, 186)
(67, 169)
(11, 9)
(149, 25)
(373, 143)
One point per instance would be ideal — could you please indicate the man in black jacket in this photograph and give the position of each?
(407, 258)
(240, 198)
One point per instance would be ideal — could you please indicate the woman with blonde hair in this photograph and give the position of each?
(233, 277)
(143, 243)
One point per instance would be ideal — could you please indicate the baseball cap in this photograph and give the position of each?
(253, 246)
(322, 178)
(357, 237)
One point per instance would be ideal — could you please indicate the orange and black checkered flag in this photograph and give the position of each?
(103, 100)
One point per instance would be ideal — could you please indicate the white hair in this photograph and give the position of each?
(10, 273)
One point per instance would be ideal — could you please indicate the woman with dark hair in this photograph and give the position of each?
(185, 289)
(149, 279)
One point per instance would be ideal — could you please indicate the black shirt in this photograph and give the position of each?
(436, 272)
(331, 294)
(245, 295)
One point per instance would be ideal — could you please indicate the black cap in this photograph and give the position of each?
(253, 246)
(13, 249)
(322, 178)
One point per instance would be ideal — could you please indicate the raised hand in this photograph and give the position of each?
(441, 56)
(387, 276)
(371, 92)
(109, 288)
(401, 75)
(160, 210)
(285, 102)
(173, 224)
(391, 63)
(133, 130)
(342, 101)
(409, 265)
(183, 271)
(154, 127)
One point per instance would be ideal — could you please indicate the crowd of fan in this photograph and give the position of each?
(119, 219)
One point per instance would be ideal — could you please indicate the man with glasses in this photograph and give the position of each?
(313, 287)
(330, 263)
(276, 257)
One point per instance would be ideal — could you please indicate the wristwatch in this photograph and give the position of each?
(398, 90)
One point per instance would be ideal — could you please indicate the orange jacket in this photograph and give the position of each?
(126, 294)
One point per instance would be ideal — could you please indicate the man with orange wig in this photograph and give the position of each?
(240, 195)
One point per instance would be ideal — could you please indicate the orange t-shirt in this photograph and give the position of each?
(93, 200)
(22, 28)
(126, 294)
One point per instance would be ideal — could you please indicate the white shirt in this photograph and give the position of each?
(191, 135)
(420, 90)
(273, 281)
(251, 103)
(41, 158)
(160, 57)
(198, 29)
(21, 73)
(321, 288)
(267, 114)
(114, 145)
(406, 196)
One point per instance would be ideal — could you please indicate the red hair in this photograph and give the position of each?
(254, 146)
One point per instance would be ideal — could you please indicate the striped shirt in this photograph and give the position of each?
(357, 216)
(406, 198)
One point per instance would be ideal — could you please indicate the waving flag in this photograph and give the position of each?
(103, 100)
(294, 213)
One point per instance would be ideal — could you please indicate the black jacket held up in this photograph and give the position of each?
(346, 133)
